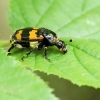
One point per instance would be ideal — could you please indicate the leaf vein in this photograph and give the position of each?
(84, 65)
(86, 52)
(77, 17)
(21, 13)
(45, 13)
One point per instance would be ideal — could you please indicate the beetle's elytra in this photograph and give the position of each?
(36, 38)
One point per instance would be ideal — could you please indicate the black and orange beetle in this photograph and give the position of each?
(36, 38)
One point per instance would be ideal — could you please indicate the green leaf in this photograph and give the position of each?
(19, 83)
(76, 19)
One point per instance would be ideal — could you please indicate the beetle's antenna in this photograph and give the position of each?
(69, 41)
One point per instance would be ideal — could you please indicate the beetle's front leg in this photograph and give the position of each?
(45, 53)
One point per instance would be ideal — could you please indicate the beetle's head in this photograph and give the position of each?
(62, 46)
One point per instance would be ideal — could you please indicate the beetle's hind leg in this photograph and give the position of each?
(27, 54)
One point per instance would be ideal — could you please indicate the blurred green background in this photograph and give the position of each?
(63, 89)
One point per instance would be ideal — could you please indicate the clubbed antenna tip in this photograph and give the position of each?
(70, 40)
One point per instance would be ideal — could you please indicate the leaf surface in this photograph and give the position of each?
(19, 83)
(76, 19)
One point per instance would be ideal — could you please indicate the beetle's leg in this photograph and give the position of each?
(45, 53)
(27, 54)
(12, 46)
